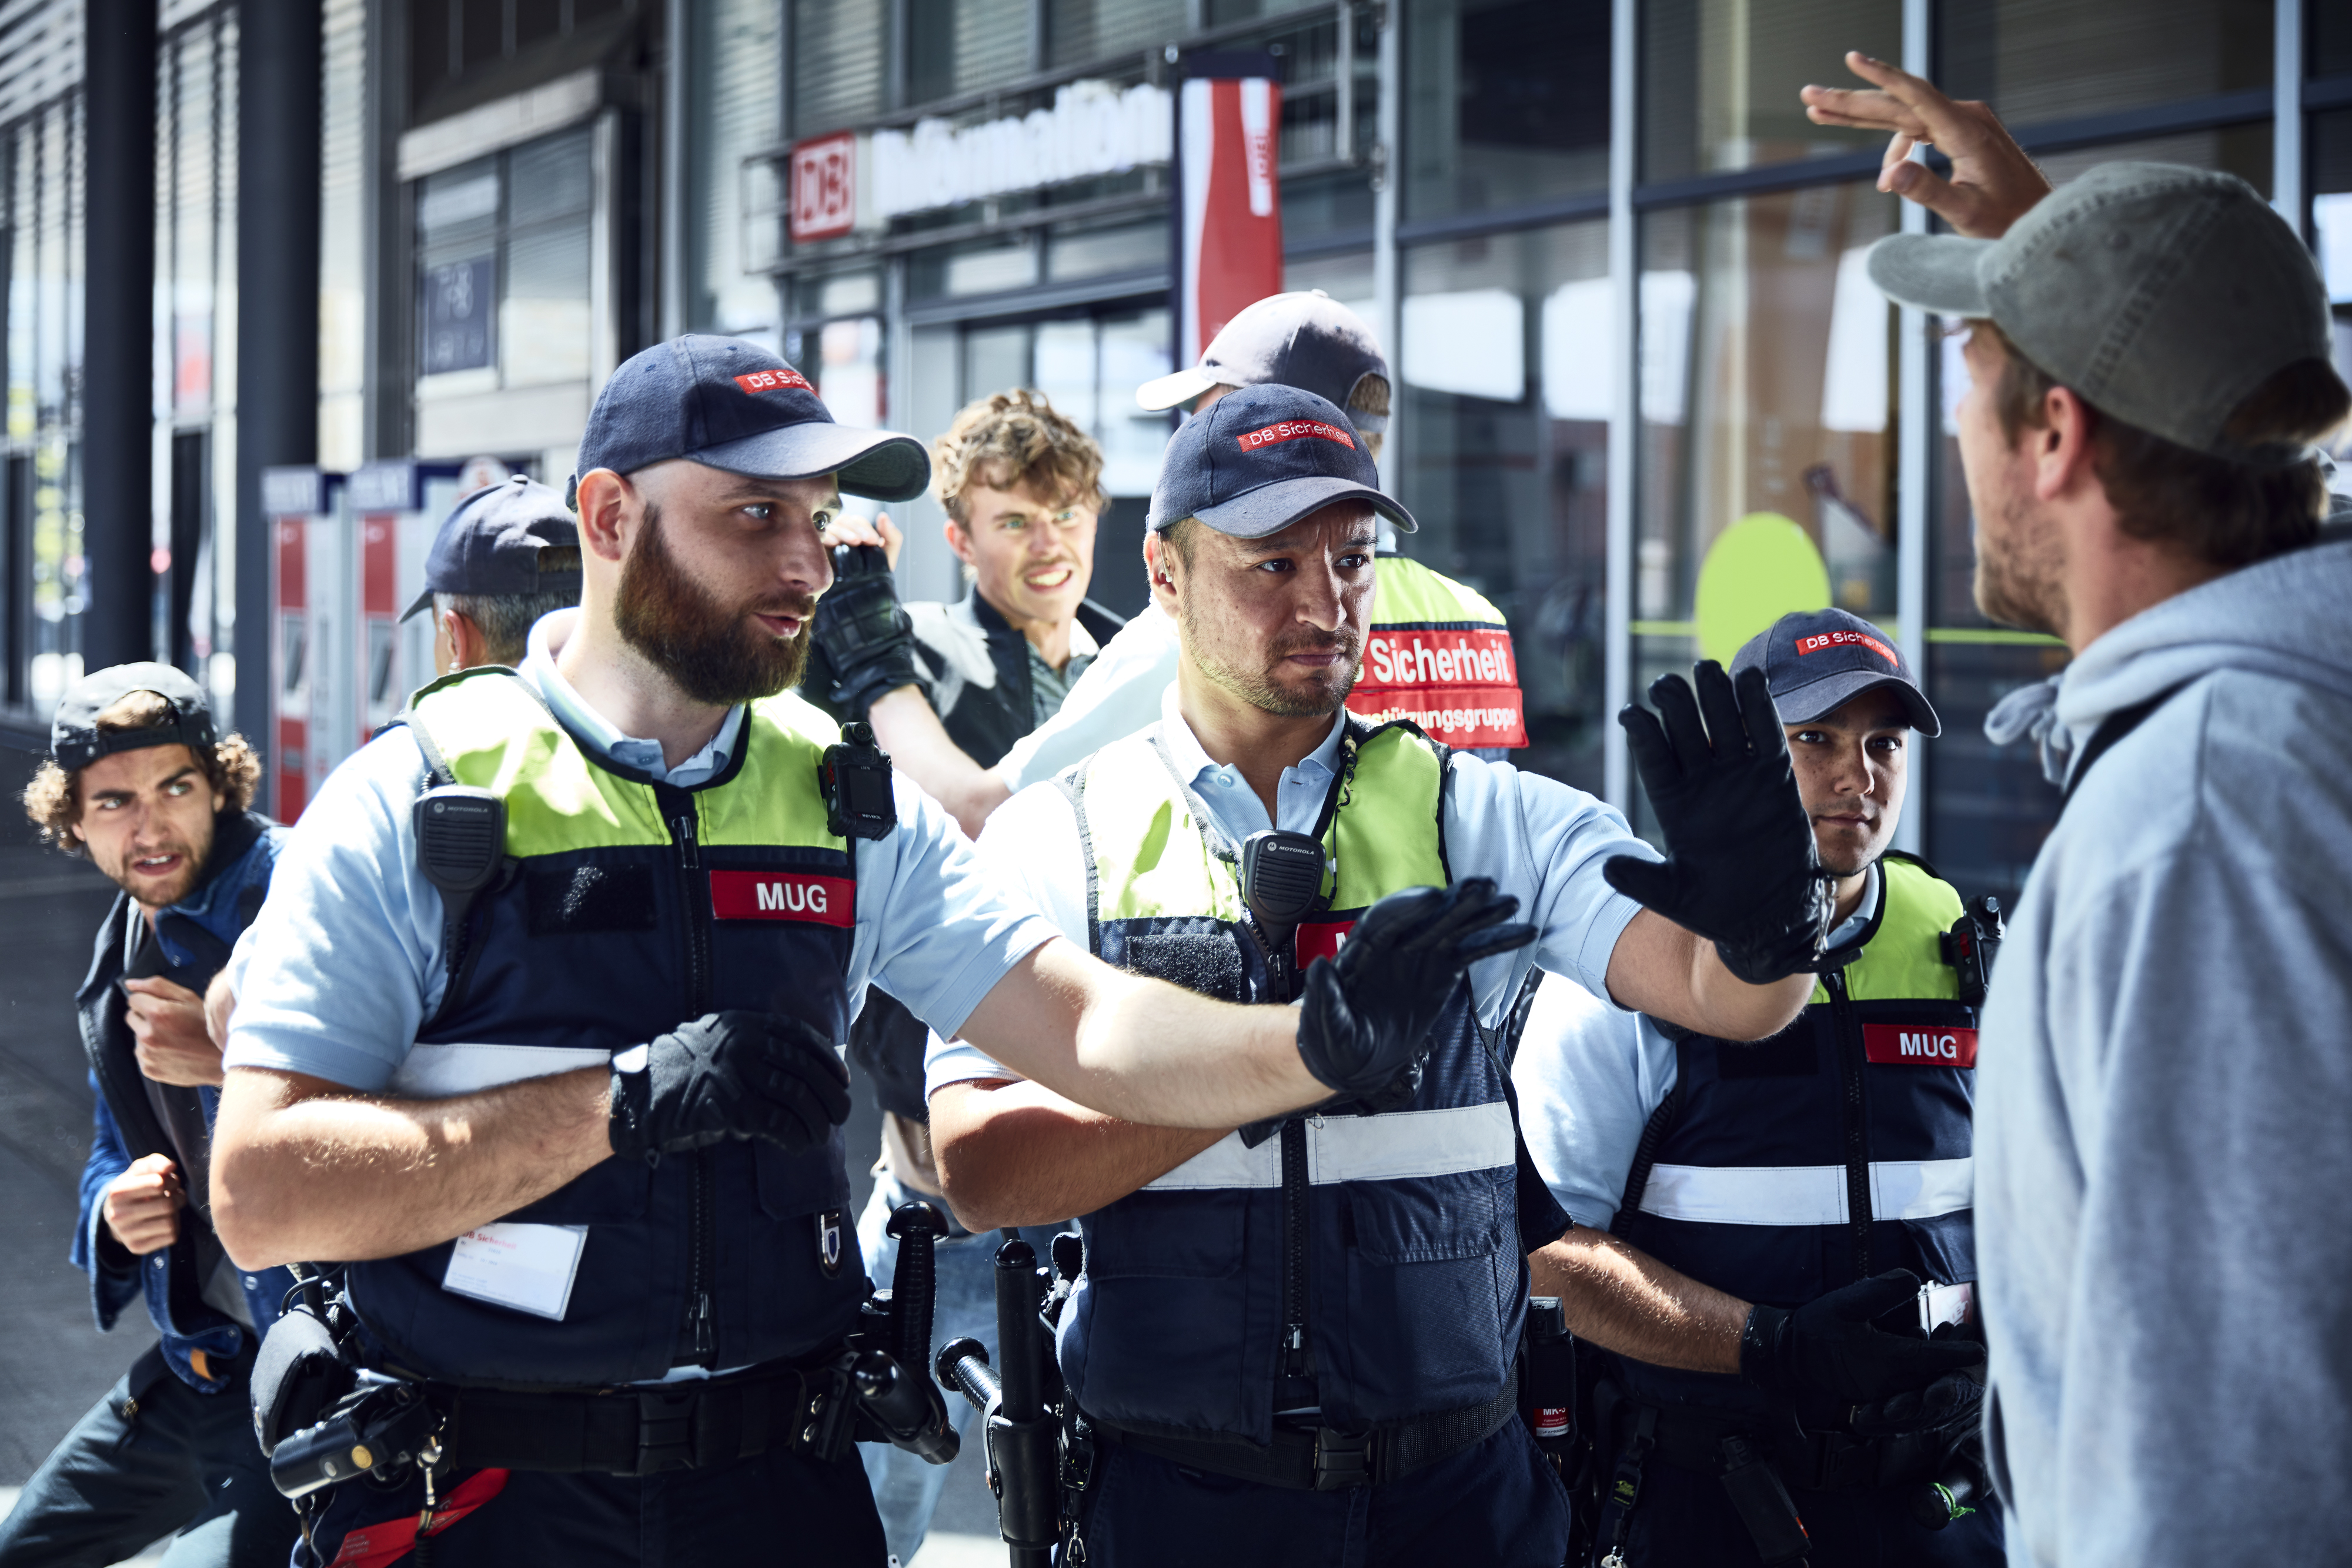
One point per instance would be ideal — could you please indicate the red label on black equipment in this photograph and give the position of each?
(1914, 1045)
(783, 895)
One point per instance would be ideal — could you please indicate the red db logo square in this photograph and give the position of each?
(825, 187)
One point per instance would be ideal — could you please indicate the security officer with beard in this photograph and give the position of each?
(561, 1091)
(1296, 1341)
(1754, 1222)
(138, 782)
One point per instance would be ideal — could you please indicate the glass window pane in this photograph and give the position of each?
(1092, 251)
(1081, 30)
(1503, 458)
(1719, 79)
(543, 326)
(2037, 60)
(955, 46)
(1506, 102)
(549, 178)
(1134, 350)
(836, 64)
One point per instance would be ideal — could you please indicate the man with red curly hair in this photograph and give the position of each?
(137, 782)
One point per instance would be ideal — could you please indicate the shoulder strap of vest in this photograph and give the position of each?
(2111, 730)
(1646, 1152)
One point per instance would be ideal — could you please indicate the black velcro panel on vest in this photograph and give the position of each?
(1794, 1052)
(1206, 962)
(574, 898)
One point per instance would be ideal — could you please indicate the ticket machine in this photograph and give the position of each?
(312, 709)
(399, 506)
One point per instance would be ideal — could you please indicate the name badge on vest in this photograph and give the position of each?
(1912, 1045)
(528, 1268)
(828, 1241)
(783, 895)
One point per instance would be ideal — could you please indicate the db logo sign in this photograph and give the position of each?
(1914, 1045)
(783, 895)
(825, 187)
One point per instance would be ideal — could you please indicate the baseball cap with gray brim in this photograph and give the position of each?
(728, 403)
(75, 741)
(490, 541)
(1817, 661)
(2164, 296)
(1260, 459)
(1303, 338)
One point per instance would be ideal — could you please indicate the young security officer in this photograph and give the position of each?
(1288, 1338)
(1022, 487)
(1746, 1214)
(573, 1125)
(138, 782)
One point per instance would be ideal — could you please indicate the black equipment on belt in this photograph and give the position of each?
(1036, 1454)
(323, 1420)
(1970, 947)
(1326, 1459)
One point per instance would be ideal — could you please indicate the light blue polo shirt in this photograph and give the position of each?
(344, 962)
(1540, 840)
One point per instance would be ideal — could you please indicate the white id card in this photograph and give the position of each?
(526, 1266)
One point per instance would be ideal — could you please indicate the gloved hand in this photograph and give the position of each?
(727, 1075)
(1952, 1402)
(1367, 1014)
(864, 634)
(1741, 868)
(1829, 1346)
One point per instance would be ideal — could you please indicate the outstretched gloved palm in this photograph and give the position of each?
(735, 1075)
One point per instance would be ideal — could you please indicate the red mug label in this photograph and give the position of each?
(1917, 1045)
(783, 895)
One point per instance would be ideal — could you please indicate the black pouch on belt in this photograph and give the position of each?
(1762, 1503)
(299, 1372)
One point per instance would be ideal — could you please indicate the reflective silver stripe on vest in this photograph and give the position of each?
(1806, 1195)
(1399, 1146)
(439, 1072)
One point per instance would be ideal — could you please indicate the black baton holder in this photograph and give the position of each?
(893, 1349)
(1024, 1436)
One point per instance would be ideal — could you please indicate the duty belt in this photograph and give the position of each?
(648, 1429)
(1326, 1459)
(1808, 1459)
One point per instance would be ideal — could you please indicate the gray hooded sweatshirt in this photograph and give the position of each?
(2164, 1110)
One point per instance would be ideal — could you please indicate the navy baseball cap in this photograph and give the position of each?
(1258, 460)
(75, 741)
(1817, 661)
(728, 403)
(1305, 339)
(490, 544)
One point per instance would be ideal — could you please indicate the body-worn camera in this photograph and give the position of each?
(1970, 947)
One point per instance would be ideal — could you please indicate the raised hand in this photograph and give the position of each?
(1741, 869)
(727, 1075)
(1992, 182)
(864, 630)
(1367, 1013)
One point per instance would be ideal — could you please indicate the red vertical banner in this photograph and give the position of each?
(1228, 140)
(290, 661)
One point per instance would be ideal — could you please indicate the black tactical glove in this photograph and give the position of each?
(1829, 1346)
(866, 636)
(727, 1075)
(1367, 1013)
(1741, 868)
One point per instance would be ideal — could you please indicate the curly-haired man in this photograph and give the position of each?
(137, 783)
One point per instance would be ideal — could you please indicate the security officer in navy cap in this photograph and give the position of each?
(506, 555)
(563, 1096)
(1756, 1223)
(1297, 1342)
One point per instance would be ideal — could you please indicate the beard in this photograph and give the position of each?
(1258, 686)
(157, 895)
(2018, 568)
(709, 648)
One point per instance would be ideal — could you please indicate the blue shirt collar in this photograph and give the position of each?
(596, 734)
(1237, 811)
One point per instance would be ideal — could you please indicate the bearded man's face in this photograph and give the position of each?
(722, 645)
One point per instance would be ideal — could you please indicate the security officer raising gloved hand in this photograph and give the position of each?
(727, 1075)
(1741, 868)
(1831, 1350)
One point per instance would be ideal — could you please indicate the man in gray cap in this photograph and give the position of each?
(507, 555)
(2160, 1120)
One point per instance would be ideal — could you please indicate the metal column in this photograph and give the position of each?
(2286, 104)
(1624, 401)
(277, 284)
(1918, 415)
(1388, 179)
(118, 417)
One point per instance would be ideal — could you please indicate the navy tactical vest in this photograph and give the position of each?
(632, 908)
(1837, 1149)
(1369, 1265)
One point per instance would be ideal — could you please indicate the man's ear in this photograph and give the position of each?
(606, 513)
(465, 640)
(2062, 448)
(959, 540)
(1162, 567)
